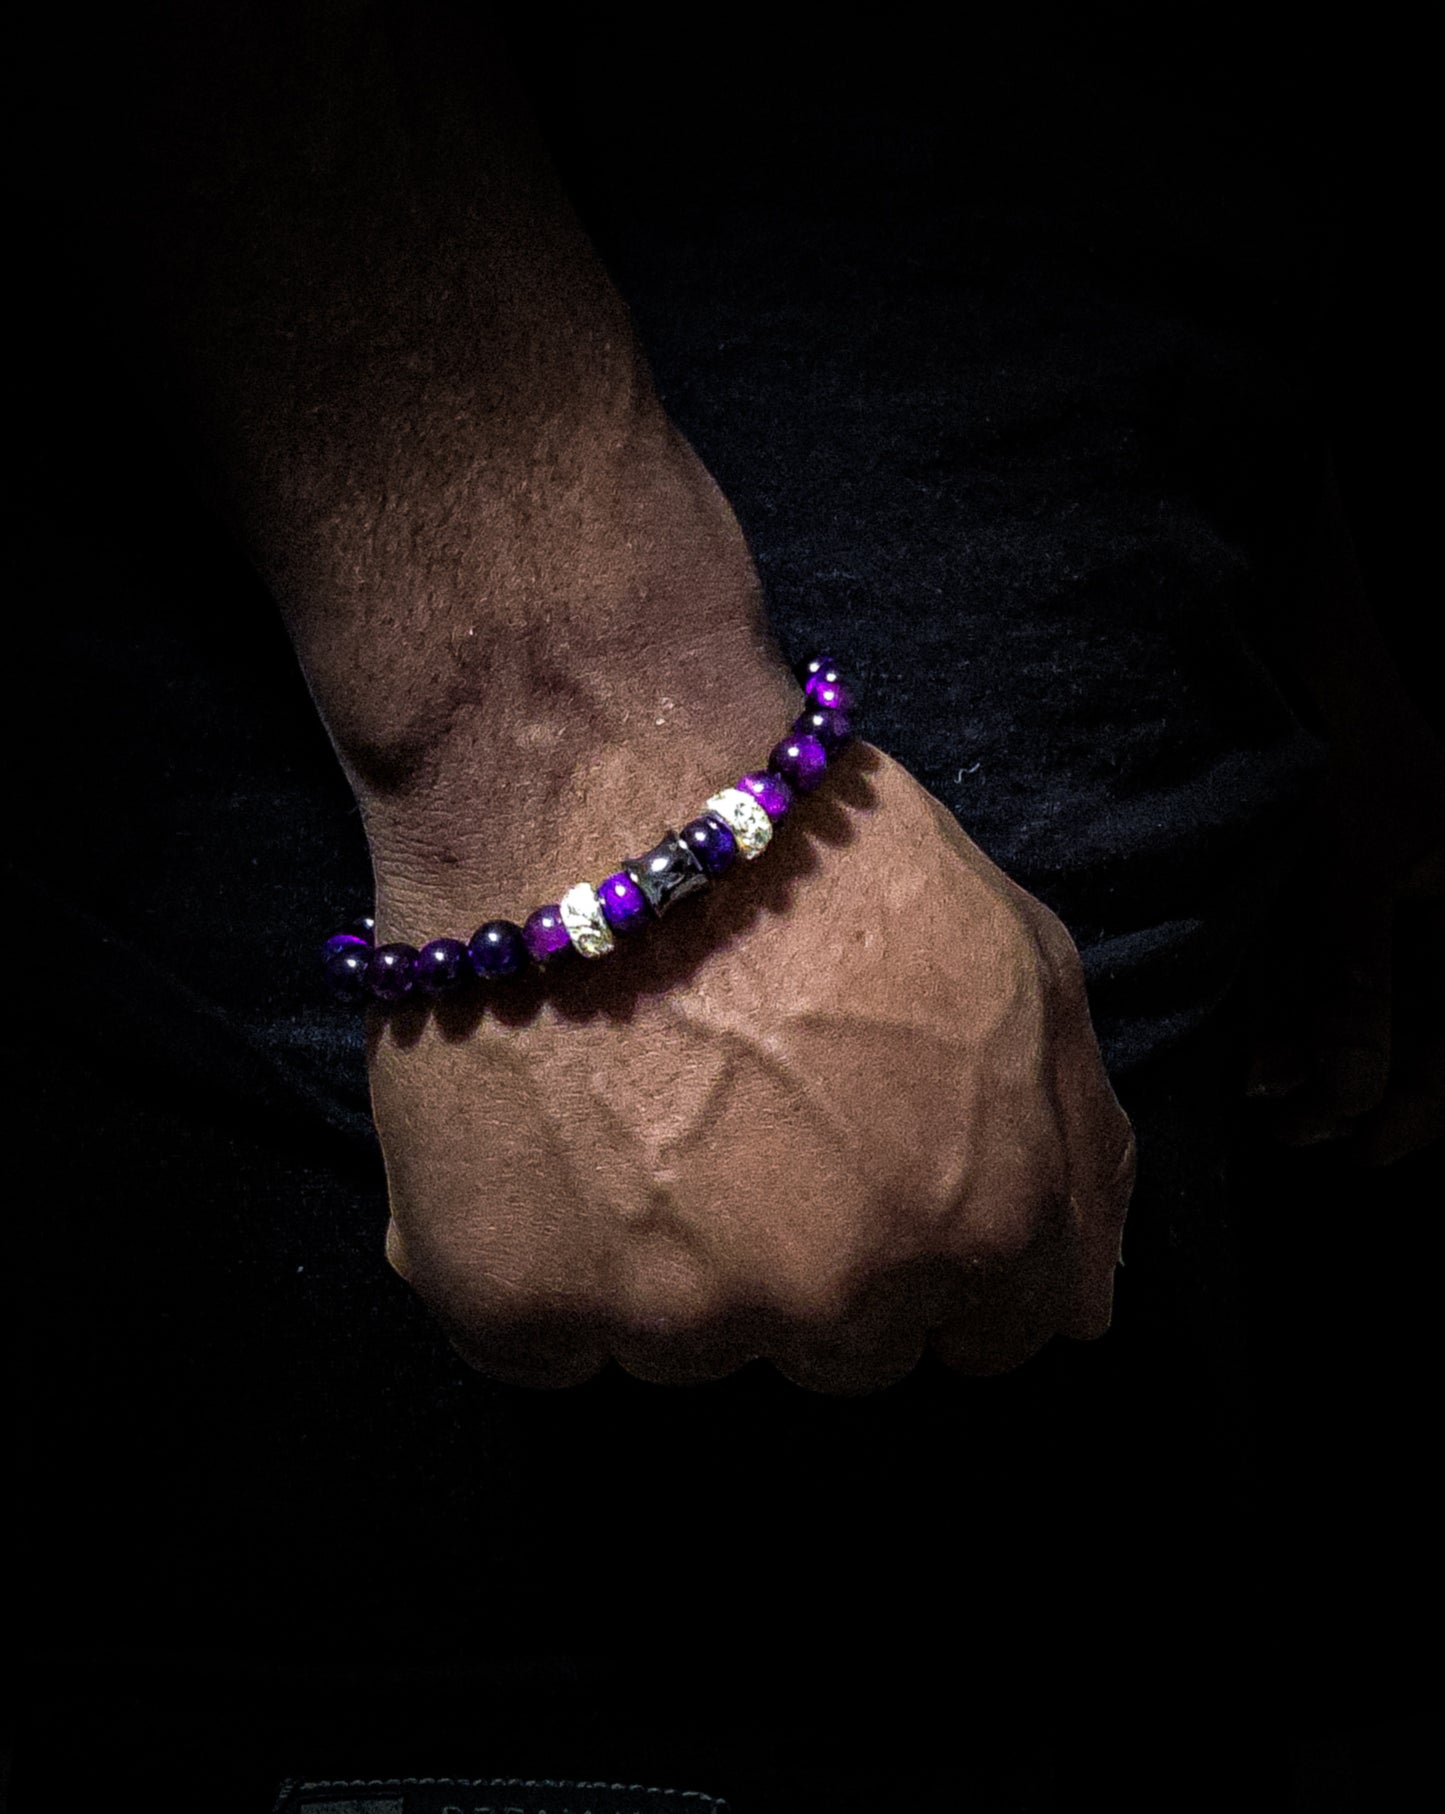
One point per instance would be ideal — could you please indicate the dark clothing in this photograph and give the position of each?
(1009, 372)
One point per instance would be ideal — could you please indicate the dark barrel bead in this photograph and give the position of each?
(801, 761)
(441, 965)
(391, 972)
(345, 972)
(344, 941)
(832, 728)
(363, 927)
(827, 688)
(547, 936)
(712, 842)
(667, 873)
(624, 905)
(498, 949)
(770, 791)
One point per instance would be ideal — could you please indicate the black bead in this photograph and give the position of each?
(363, 926)
(667, 873)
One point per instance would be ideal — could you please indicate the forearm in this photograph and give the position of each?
(420, 401)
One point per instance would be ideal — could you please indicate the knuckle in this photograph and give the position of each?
(674, 1302)
(1065, 965)
(1120, 1188)
(1006, 1232)
(808, 1304)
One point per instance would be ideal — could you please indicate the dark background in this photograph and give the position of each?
(1012, 345)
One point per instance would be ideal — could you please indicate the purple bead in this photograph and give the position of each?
(363, 927)
(772, 792)
(547, 938)
(711, 841)
(801, 761)
(441, 965)
(826, 688)
(498, 949)
(817, 664)
(391, 972)
(832, 728)
(344, 941)
(624, 905)
(345, 972)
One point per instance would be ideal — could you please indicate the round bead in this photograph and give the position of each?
(801, 761)
(711, 841)
(546, 933)
(826, 688)
(391, 972)
(582, 916)
(441, 965)
(345, 972)
(816, 664)
(498, 949)
(771, 791)
(624, 905)
(344, 941)
(363, 927)
(831, 727)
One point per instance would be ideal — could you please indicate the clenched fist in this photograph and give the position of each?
(845, 1107)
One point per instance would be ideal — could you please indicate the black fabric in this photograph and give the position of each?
(1008, 363)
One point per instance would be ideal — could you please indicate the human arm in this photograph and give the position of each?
(857, 1104)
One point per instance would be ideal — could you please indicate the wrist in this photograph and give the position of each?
(587, 775)
(563, 722)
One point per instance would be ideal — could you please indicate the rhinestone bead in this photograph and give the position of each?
(582, 916)
(747, 821)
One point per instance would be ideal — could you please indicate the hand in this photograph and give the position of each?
(1347, 1040)
(833, 1118)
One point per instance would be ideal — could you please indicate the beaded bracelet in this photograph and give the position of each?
(738, 821)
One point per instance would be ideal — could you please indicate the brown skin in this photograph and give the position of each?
(845, 1107)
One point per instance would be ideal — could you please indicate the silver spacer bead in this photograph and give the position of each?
(750, 825)
(582, 916)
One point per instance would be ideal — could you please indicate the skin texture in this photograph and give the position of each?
(848, 1106)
